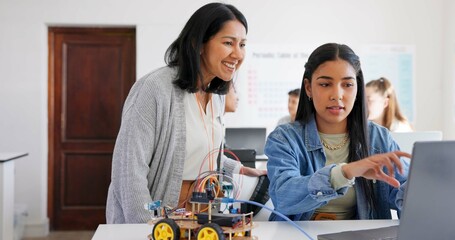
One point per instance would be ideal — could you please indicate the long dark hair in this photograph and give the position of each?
(184, 52)
(357, 124)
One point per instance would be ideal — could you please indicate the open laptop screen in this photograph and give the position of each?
(246, 138)
(428, 211)
(406, 140)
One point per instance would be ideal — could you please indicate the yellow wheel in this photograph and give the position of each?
(166, 229)
(210, 231)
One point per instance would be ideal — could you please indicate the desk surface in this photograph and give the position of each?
(4, 157)
(264, 230)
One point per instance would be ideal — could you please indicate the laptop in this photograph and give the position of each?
(246, 138)
(428, 211)
(406, 140)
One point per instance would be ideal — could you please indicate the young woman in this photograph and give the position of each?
(331, 163)
(383, 107)
(172, 118)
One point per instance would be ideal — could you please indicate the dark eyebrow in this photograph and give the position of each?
(324, 77)
(234, 38)
(330, 78)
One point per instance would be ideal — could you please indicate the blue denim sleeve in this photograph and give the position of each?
(400, 197)
(297, 183)
(396, 195)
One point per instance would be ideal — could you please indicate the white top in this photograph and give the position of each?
(199, 138)
(398, 126)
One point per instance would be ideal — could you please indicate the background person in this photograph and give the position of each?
(232, 99)
(232, 102)
(383, 107)
(172, 117)
(315, 161)
(293, 102)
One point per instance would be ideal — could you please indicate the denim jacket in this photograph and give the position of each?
(300, 181)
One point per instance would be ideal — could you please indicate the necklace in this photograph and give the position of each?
(336, 147)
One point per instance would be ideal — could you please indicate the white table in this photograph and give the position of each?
(7, 194)
(264, 230)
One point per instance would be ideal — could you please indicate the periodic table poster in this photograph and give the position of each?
(269, 72)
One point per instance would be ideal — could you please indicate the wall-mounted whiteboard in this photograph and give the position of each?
(269, 72)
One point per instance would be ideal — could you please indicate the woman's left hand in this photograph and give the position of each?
(252, 172)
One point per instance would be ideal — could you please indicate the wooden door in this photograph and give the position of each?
(90, 73)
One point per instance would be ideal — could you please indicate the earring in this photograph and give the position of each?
(309, 98)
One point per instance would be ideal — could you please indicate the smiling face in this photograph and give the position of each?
(223, 54)
(333, 90)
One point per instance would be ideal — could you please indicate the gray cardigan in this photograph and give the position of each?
(149, 153)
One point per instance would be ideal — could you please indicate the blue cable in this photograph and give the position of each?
(231, 200)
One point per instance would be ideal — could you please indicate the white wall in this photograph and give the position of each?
(448, 82)
(427, 24)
